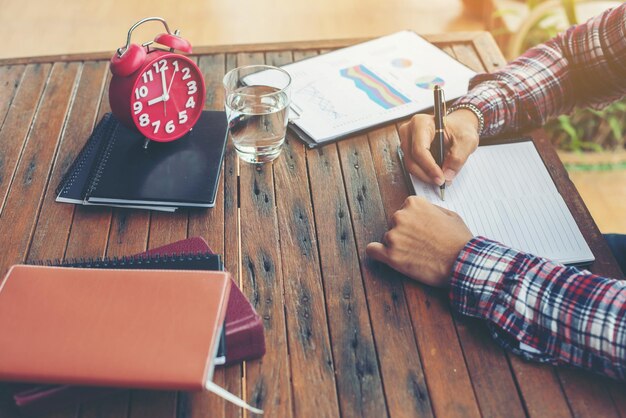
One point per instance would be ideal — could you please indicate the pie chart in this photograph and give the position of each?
(429, 82)
(401, 63)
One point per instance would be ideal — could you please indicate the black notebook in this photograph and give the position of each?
(115, 169)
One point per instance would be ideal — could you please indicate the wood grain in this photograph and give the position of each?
(269, 379)
(10, 77)
(401, 368)
(232, 238)
(310, 355)
(211, 225)
(55, 220)
(359, 382)
(17, 122)
(24, 197)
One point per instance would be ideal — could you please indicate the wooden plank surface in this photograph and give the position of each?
(310, 354)
(359, 387)
(269, 379)
(26, 189)
(358, 370)
(401, 368)
(345, 336)
(55, 220)
(16, 124)
(212, 226)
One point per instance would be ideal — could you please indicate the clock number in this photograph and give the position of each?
(169, 127)
(186, 72)
(144, 120)
(147, 76)
(176, 68)
(182, 117)
(191, 103)
(191, 87)
(156, 125)
(137, 107)
(160, 66)
(141, 92)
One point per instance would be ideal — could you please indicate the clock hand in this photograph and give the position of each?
(155, 100)
(165, 95)
(171, 82)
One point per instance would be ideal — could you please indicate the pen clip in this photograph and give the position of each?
(445, 110)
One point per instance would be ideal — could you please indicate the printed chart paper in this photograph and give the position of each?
(378, 81)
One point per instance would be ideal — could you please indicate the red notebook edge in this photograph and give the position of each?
(244, 327)
(244, 341)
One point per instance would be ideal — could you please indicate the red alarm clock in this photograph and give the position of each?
(157, 91)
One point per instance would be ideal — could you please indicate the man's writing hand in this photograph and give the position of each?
(461, 140)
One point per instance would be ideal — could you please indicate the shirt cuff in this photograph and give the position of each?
(483, 276)
(477, 276)
(479, 98)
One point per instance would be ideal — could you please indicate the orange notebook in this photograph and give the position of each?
(150, 329)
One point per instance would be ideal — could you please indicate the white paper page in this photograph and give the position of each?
(354, 88)
(505, 193)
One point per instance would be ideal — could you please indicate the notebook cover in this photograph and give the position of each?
(120, 328)
(115, 169)
(244, 341)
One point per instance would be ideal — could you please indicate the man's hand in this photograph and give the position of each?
(461, 140)
(423, 242)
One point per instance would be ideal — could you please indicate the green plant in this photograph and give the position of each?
(589, 129)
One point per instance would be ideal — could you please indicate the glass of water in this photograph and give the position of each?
(257, 107)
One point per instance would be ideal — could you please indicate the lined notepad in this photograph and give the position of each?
(505, 193)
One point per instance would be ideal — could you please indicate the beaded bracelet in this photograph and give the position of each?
(474, 110)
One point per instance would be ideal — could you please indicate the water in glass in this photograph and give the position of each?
(257, 121)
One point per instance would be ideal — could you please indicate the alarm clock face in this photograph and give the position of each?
(167, 98)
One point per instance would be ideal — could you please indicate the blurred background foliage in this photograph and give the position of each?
(585, 130)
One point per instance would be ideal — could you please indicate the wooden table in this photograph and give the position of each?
(345, 336)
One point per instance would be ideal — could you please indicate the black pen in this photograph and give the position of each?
(437, 147)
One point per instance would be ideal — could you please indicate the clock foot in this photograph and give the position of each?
(145, 143)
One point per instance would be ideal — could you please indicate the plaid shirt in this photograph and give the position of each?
(585, 66)
(538, 309)
(541, 310)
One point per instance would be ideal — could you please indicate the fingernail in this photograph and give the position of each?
(439, 180)
(449, 174)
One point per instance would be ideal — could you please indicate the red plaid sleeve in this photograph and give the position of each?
(541, 310)
(584, 66)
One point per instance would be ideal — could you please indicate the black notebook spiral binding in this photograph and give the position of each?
(73, 185)
(184, 261)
